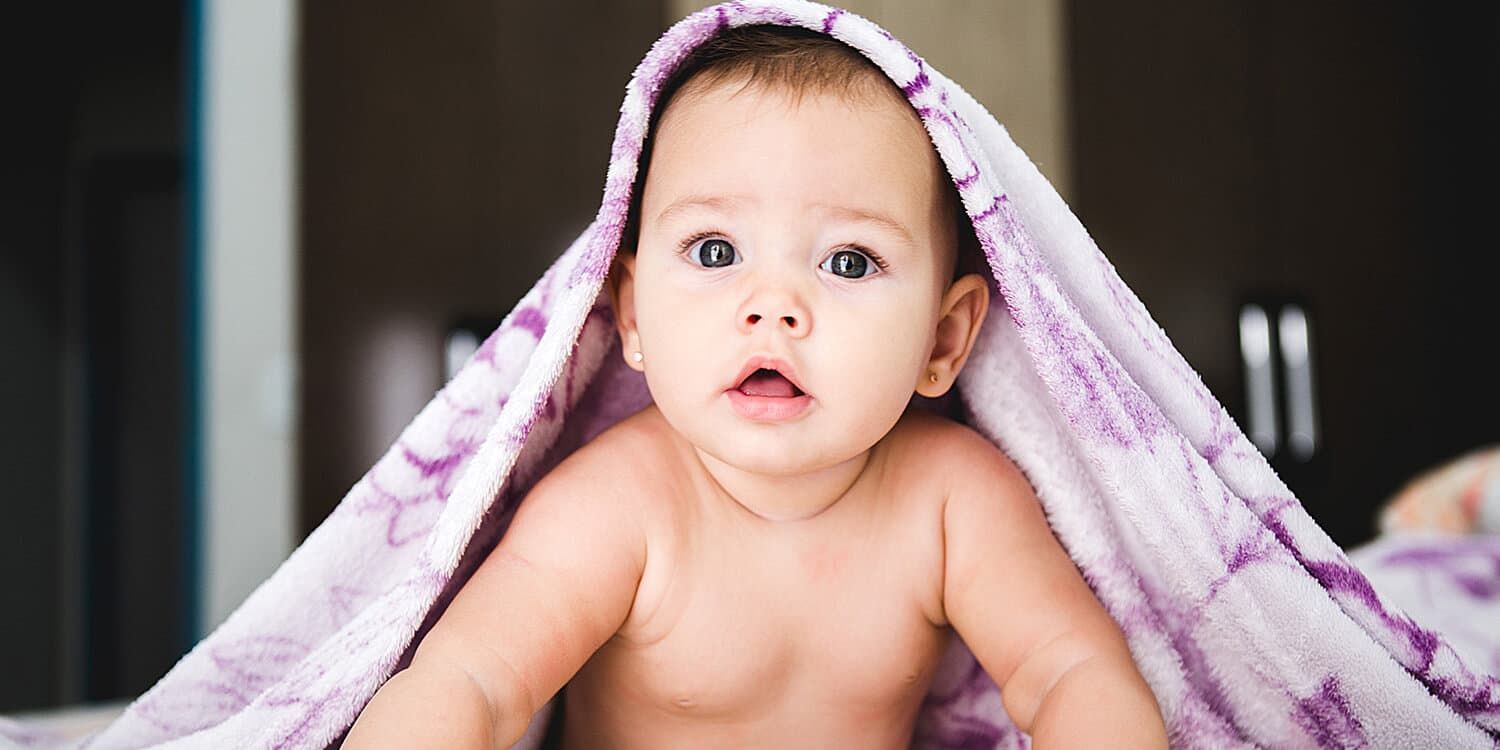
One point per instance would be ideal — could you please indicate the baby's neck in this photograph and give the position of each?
(786, 498)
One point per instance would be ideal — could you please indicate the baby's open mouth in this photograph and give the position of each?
(769, 383)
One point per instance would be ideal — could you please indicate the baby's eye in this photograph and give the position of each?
(715, 253)
(849, 264)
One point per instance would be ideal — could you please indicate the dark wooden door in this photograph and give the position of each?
(1330, 156)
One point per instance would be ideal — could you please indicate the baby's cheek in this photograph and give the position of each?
(672, 314)
(886, 355)
(905, 337)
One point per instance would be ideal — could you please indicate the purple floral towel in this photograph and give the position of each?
(1251, 626)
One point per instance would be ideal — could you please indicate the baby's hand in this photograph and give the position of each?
(1065, 673)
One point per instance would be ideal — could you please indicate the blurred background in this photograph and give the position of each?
(243, 242)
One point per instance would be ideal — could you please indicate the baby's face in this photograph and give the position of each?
(812, 233)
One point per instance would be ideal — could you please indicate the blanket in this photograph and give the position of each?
(1251, 627)
(1453, 580)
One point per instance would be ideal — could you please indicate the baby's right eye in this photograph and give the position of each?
(714, 253)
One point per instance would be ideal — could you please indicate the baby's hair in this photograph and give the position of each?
(793, 61)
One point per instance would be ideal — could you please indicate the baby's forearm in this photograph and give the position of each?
(1099, 704)
(431, 706)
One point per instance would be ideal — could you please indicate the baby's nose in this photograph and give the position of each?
(780, 312)
(790, 320)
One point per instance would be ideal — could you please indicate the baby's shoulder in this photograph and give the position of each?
(631, 458)
(939, 450)
(919, 425)
(936, 439)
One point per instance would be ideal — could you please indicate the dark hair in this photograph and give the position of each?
(787, 59)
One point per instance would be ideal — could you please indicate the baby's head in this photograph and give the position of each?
(790, 207)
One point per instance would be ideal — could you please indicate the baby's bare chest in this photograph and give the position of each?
(729, 627)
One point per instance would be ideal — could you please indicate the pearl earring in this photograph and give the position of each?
(637, 356)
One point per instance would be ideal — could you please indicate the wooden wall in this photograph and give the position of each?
(451, 151)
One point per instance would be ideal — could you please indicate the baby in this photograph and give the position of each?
(778, 550)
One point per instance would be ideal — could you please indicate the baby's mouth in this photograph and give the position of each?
(769, 383)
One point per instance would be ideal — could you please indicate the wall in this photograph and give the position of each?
(249, 301)
(452, 150)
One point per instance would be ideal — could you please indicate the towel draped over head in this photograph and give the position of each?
(1251, 627)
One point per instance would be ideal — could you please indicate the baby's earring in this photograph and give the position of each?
(932, 376)
(637, 357)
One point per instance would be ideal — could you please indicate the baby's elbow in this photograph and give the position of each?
(507, 704)
(1098, 701)
(425, 706)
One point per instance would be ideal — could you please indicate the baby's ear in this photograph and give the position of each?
(621, 284)
(960, 316)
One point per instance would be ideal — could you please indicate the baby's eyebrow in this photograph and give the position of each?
(847, 213)
(719, 202)
(869, 217)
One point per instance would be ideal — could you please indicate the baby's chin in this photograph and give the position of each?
(822, 437)
(773, 463)
(784, 453)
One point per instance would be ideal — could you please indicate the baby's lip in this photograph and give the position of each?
(761, 362)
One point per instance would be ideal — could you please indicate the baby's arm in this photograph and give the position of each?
(558, 585)
(1065, 673)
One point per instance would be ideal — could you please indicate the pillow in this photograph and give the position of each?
(1460, 496)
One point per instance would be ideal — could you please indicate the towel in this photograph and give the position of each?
(1251, 627)
(1453, 580)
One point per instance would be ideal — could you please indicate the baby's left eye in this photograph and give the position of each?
(849, 264)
